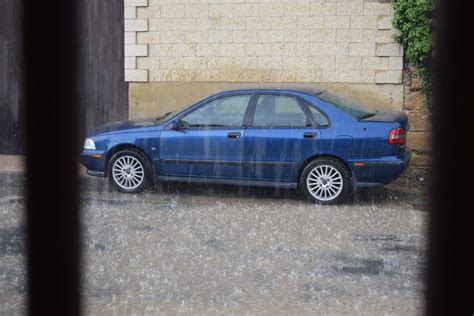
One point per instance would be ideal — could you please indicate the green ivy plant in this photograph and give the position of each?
(415, 20)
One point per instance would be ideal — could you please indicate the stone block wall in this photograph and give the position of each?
(419, 117)
(257, 40)
(132, 26)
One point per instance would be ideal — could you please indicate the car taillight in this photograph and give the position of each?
(397, 136)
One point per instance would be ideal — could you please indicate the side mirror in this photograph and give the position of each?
(179, 125)
(176, 125)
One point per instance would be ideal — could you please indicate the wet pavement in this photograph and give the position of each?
(223, 249)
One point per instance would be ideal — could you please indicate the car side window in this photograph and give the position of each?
(318, 116)
(279, 111)
(223, 112)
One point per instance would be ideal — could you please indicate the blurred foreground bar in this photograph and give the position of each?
(450, 276)
(50, 93)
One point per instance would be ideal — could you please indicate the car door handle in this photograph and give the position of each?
(234, 135)
(309, 135)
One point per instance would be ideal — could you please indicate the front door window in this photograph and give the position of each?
(223, 112)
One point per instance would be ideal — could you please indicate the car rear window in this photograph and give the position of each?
(353, 108)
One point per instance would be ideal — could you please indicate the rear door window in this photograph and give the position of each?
(279, 111)
(318, 116)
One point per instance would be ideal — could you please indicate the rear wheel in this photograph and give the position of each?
(129, 171)
(325, 181)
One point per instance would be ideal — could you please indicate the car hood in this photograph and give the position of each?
(123, 126)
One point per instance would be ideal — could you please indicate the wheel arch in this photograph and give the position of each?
(319, 156)
(119, 147)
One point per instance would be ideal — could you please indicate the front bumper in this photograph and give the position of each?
(380, 171)
(94, 161)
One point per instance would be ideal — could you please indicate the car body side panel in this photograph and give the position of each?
(274, 154)
(202, 153)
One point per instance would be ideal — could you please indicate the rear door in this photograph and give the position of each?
(211, 145)
(280, 135)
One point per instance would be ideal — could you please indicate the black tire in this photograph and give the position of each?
(335, 194)
(137, 158)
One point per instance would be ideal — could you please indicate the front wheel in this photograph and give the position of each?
(129, 171)
(325, 181)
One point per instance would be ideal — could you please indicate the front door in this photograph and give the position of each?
(210, 144)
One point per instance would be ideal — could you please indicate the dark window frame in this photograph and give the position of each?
(449, 290)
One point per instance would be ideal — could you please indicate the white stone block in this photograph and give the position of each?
(136, 25)
(297, 9)
(364, 22)
(172, 10)
(389, 49)
(136, 75)
(150, 12)
(361, 49)
(130, 62)
(130, 37)
(323, 8)
(337, 22)
(388, 77)
(136, 50)
(384, 23)
(321, 62)
(375, 8)
(349, 8)
(135, 3)
(196, 10)
(395, 63)
(148, 37)
(348, 62)
(375, 63)
(385, 36)
(130, 12)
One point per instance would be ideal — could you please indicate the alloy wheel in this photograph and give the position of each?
(324, 182)
(128, 172)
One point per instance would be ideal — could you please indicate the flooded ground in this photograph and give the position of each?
(207, 250)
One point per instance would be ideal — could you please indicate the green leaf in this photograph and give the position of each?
(415, 20)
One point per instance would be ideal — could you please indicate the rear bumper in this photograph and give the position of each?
(380, 171)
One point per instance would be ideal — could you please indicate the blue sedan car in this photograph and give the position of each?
(291, 137)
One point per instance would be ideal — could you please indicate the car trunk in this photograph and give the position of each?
(391, 117)
(378, 128)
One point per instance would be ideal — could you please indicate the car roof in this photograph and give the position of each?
(307, 89)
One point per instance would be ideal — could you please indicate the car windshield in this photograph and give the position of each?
(354, 109)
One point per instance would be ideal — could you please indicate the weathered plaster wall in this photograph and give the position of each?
(155, 97)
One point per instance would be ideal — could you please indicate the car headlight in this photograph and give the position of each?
(89, 144)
